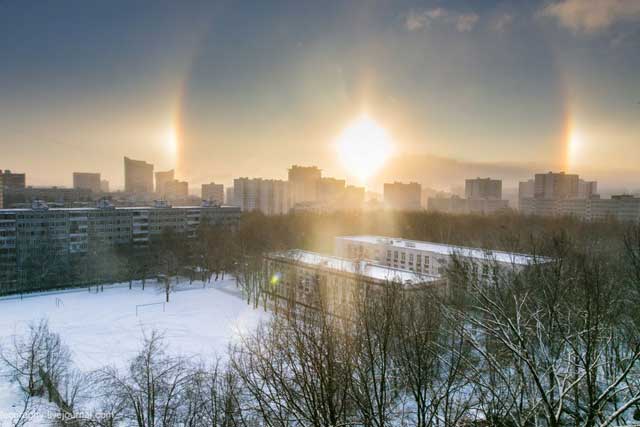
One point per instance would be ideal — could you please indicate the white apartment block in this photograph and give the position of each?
(425, 257)
(302, 277)
(73, 230)
(623, 208)
(269, 196)
(213, 192)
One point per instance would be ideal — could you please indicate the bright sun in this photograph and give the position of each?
(363, 147)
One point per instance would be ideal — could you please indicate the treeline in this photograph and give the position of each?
(557, 344)
(216, 250)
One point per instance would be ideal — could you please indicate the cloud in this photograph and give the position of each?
(589, 16)
(437, 13)
(502, 22)
(466, 22)
(418, 20)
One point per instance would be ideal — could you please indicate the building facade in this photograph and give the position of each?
(313, 280)
(162, 178)
(269, 196)
(13, 181)
(623, 208)
(483, 188)
(25, 232)
(87, 181)
(213, 192)
(174, 190)
(425, 257)
(303, 183)
(403, 196)
(138, 176)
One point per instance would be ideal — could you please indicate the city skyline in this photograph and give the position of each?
(218, 91)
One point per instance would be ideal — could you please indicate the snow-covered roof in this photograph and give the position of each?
(364, 268)
(449, 250)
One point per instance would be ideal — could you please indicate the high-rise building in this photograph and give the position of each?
(138, 176)
(587, 189)
(176, 189)
(403, 196)
(13, 181)
(229, 197)
(557, 194)
(556, 185)
(213, 192)
(104, 186)
(269, 196)
(86, 181)
(330, 190)
(483, 188)
(526, 190)
(162, 178)
(1, 192)
(303, 183)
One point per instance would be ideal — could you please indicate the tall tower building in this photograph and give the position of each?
(138, 176)
(13, 181)
(303, 183)
(556, 185)
(483, 188)
(86, 181)
(162, 179)
(213, 192)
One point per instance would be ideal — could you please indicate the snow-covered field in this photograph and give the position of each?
(103, 328)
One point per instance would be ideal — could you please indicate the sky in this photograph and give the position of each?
(222, 89)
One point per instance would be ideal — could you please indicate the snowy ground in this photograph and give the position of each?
(103, 328)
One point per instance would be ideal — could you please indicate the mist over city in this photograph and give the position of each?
(332, 213)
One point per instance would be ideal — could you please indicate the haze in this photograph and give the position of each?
(225, 89)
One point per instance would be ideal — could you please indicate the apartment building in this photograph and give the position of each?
(459, 205)
(213, 192)
(72, 230)
(162, 179)
(623, 208)
(87, 181)
(310, 278)
(483, 188)
(402, 196)
(425, 257)
(176, 189)
(269, 196)
(138, 176)
(13, 181)
(303, 183)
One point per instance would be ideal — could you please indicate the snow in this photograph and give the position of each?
(103, 329)
(449, 250)
(365, 268)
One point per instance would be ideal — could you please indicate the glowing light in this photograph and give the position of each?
(171, 141)
(363, 147)
(575, 146)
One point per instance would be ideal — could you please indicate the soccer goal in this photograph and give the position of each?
(141, 307)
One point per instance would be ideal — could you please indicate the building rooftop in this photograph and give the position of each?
(364, 268)
(119, 208)
(449, 250)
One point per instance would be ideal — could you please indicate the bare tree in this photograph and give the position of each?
(152, 393)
